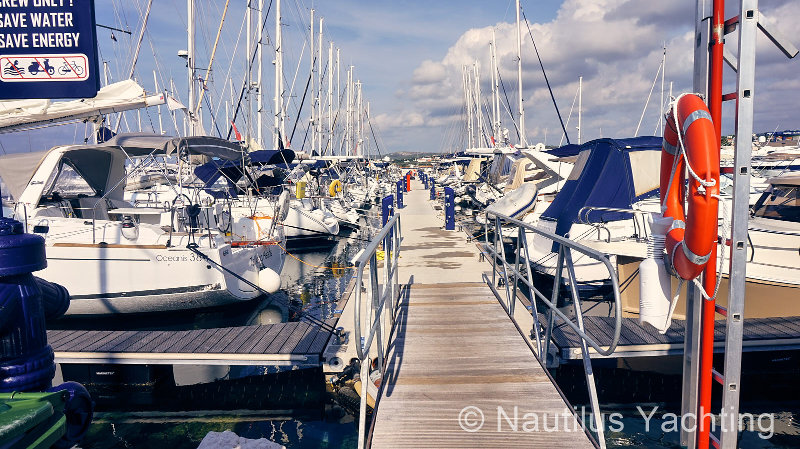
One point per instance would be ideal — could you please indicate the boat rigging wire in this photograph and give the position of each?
(530, 33)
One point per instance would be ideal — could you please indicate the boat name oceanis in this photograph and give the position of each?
(187, 258)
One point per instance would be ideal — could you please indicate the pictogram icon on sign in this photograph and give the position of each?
(63, 67)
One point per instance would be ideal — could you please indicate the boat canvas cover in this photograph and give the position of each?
(211, 171)
(143, 144)
(608, 173)
(516, 202)
(140, 144)
(271, 157)
(17, 169)
(473, 171)
(102, 167)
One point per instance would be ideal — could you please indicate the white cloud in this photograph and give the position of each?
(616, 46)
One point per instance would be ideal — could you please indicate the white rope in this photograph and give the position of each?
(672, 305)
(704, 183)
(691, 171)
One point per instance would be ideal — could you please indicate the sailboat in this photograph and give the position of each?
(116, 258)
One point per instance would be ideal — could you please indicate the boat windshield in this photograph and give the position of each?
(68, 182)
(782, 202)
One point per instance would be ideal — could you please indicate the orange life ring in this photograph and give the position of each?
(693, 230)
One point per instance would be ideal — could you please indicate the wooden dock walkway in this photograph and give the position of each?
(293, 343)
(760, 334)
(459, 372)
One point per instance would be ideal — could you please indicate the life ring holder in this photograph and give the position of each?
(690, 144)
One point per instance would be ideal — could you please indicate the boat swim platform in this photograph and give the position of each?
(760, 334)
(455, 359)
(294, 343)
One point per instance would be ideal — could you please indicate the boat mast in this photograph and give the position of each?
(522, 139)
(277, 134)
(478, 121)
(319, 88)
(495, 92)
(260, 97)
(580, 103)
(359, 122)
(313, 87)
(160, 121)
(467, 104)
(338, 85)
(190, 65)
(329, 145)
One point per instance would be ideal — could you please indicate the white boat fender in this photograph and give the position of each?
(655, 299)
(269, 280)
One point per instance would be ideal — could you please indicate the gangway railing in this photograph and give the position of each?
(513, 275)
(382, 306)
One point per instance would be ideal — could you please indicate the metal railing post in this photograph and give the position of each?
(534, 308)
(594, 403)
(381, 307)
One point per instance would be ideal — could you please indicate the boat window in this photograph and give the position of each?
(779, 203)
(67, 182)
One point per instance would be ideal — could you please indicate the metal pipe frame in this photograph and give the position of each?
(583, 218)
(565, 246)
(511, 275)
(382, 297)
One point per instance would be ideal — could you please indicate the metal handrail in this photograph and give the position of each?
(381, 297)
(565, 249)
(564, 258)
(583, 218)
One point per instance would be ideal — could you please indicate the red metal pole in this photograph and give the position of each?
(710, 274)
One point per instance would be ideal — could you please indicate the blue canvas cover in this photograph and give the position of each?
(211, 171)
(568, 150)
(271, 157)
(605, 181)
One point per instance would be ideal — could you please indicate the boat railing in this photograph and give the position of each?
(382, 296)
(520, 272)
(639, 218)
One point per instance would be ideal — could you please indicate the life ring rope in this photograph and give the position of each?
(702, 227)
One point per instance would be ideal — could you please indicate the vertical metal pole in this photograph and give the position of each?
(522, 139)
(748, 23)
(534, 308)
(513, 302)
(594, 403)
(553, 299)
(691, 365)
(312, 56)
(259, 73)
(376, 311)
(499, 232)
(494, 249)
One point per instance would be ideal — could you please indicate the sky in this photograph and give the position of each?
(409, 56)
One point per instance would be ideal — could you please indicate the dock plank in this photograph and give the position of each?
(472, 355)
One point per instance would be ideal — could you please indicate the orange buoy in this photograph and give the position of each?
(693, 234)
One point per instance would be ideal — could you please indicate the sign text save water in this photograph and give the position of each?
(48, 49)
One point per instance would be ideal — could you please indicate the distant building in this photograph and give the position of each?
(779, 138)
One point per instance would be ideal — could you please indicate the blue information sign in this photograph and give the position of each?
(48, 49)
